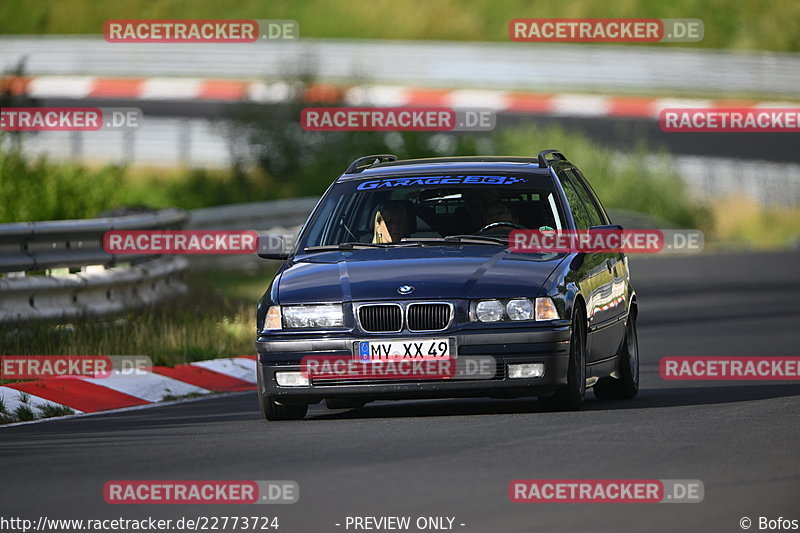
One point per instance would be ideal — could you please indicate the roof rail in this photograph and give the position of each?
(557, 156)
(357, 165)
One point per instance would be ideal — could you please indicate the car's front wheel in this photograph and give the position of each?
(627, 386)
(571, 396)
(275, 411)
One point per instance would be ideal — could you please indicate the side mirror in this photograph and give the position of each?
(609, 227)
(273, 247)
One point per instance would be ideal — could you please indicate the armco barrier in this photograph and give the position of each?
(443, 64)
(93, 283)
(284, 217)
(57, 270)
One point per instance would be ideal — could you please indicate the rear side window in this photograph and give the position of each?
(583, 208)
(579, 213)
(595, 215)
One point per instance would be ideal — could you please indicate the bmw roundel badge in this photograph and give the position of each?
(405, 289)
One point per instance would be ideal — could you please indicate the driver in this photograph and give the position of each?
(497, 211)
(486, 207)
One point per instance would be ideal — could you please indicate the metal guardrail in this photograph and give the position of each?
(284, 217)
(95, 282)
(90, 294)
(31, 246)
(258, 216)
(446, 64)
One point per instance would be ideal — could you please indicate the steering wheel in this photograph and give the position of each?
(493, 225)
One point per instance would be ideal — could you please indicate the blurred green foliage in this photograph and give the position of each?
(729, 24)
(292, 162)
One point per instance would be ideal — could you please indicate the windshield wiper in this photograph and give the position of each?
(354, 246)
(499, 240)
(410, 241)
(346, 228)
(342, 246)
(458, 239)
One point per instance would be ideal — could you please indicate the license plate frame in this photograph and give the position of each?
(400, 346)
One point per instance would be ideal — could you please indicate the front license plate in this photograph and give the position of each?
(403, 350)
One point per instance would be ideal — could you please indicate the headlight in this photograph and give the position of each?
(489, 310)
(515, 309)
(313, 316)
(521, 309)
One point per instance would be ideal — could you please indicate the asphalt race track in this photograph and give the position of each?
(456, 458)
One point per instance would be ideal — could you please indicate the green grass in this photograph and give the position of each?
(26, 412)
(739, 222)
(5, 416)
(731, 24)
(50, 411)
(35, 189)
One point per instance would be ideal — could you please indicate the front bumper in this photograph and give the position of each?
(548, 346)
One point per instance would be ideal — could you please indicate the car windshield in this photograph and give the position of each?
(428, 209)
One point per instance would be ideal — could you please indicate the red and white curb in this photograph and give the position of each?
(117, 391)
(233, 90)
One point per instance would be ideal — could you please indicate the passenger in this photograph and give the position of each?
(391, 224)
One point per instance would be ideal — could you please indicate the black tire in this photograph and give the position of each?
(627, 386)
(275, 411)
(344, 403)
(571, 396)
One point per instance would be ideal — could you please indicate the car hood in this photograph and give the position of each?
(434, 272)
